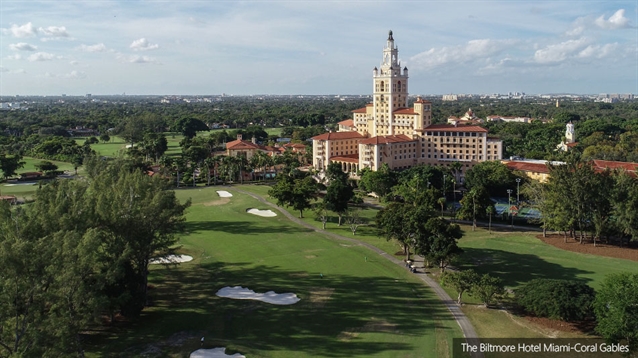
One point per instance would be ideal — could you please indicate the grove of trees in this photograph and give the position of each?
(81, 251)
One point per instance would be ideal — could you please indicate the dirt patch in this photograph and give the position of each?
(311, 256)
(319, 296)
(217, 202)
(627, 253)
(558, 325)
(374, 325)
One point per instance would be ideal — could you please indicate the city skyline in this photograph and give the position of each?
(273, 47)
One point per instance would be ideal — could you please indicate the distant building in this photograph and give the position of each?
(570, 138)
(450, 97)
(468, 118)
(508, 119)
(387, 131)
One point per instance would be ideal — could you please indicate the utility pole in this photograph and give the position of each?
(509, 204)
(518, 187)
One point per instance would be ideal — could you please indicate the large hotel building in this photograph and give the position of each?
(388, 131)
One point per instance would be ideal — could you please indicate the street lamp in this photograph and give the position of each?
(518, 186)
(509, 204)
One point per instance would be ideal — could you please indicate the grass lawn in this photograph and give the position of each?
(30, 163)
(358, 308)
(516, 257)
(109, 149)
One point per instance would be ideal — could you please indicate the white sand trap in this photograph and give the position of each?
(214, 353)
(20, 184)
(172, 259)
(224, 194)
(264, 213)
(271, 297)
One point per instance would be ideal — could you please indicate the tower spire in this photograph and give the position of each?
(390, 35)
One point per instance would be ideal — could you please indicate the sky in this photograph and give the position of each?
(315, 47)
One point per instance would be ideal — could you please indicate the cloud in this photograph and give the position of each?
(4, 69)
(576, 31)
(74, 62)
(17, 56)
(472, 51)
(136, 59)
(26, 30)
(559, 52)
(41, 56)
(143, 45)
(597, 51)
(22, 46)
(54, 31)
(75, 75)
(93, 48)
(615, 21)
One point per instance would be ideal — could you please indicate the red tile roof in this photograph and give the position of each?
(528, 167)
(347, 123)
(452, 128)
(401, 138)
(338, 135)
(404, 111)
(608, 164)
(571, 145)
(348, 158)
(364, 109)
(421, 100)
(241, 144)
(295, 145)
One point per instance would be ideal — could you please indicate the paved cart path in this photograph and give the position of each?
(468, 330)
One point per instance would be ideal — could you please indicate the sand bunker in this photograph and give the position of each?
(264, 213)
(172, 259)
(224, 194)
(214, 353)
(271, 297)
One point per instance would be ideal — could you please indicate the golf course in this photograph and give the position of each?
(352, 302)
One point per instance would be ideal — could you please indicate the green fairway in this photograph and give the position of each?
(516, 257)
(357, 309)
(108, 149)
(30, 163)
(520, 257)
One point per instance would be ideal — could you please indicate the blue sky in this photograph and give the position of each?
(315, 47)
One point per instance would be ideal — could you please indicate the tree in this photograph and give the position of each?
(438, 244)
(339, 192)
(490, 211)
(321, 213)
(380, 182)
(441, 201)
(9, 164)
(625, 204)
(189, 126)
(494, 176)
(406, 224)
(487, 287)
(475, 203)
(615, 308)
(142, 217)
(461, 281)
(354, 219)
(294, 192)
(105, 138)
(46, 166)
(557, 299)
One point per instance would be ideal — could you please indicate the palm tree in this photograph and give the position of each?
(217, 162)
(456, 167)
(209, 163)
(490, 211)
(473, 193)
(441, 201)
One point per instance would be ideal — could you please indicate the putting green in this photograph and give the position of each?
(348, 307)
